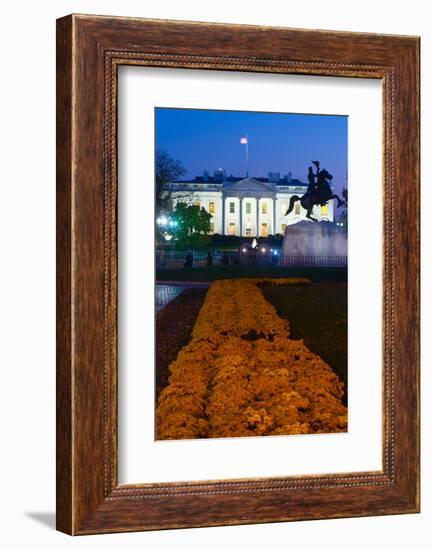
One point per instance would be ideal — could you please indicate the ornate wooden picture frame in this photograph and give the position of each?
(89, 51)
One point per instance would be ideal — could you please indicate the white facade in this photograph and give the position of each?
(249, 207)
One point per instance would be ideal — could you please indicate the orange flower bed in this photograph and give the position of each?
(241, 374)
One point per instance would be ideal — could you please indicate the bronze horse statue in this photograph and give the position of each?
(318, 193)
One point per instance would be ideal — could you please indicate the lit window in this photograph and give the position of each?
(264, 208)
(264, 230)
(211, 227)
(231, 228)
(197, 203)
(297, 208)
(232, 207)
(248, 207)
(247, 232)
(324, 210)
(212, 207)
(283, 227)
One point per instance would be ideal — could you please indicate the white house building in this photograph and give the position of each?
(249, 207)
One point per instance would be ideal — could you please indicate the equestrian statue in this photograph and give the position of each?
(319, 191)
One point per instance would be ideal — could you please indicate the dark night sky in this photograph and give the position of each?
(278, 142)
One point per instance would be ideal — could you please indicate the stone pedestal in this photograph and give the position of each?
(314, 243)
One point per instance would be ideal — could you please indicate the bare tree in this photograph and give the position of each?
(167, 171)
(345, 195)
(344, 215)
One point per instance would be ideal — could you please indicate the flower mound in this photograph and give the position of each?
(241, 374)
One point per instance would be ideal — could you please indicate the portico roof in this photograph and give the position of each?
(250, 186)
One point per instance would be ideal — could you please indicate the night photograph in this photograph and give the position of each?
(251, 221)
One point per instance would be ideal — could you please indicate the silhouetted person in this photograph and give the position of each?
(311, 180)
(209, 259)
(188, 259)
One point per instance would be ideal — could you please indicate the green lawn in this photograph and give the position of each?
(317, 313)
(316, 274)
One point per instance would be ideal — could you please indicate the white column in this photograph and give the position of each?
(240, 216)
(223, 206)
(257, 217)
(274, 216)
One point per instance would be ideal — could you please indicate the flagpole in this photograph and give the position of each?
(246, 153)
(244, 141)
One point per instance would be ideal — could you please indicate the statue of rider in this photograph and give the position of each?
(318, 193)
(323, 188)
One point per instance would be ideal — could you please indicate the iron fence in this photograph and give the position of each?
(299, 260)
(188, 260)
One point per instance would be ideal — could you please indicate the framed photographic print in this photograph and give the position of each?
(237, 274)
